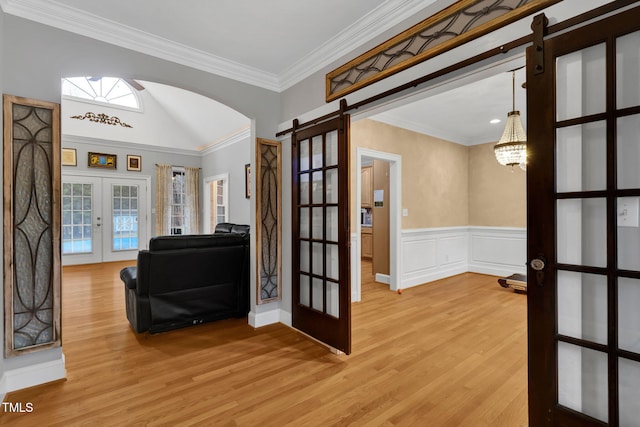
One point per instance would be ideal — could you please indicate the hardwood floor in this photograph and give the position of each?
(449, 353)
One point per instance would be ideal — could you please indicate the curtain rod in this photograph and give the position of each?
(177, 166)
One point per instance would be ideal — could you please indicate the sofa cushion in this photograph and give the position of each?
(164, 243)
(224, 227)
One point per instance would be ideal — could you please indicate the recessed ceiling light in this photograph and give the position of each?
(495, 121)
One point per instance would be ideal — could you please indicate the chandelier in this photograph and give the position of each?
(511, 150)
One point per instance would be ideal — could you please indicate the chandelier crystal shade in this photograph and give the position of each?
(511, 150)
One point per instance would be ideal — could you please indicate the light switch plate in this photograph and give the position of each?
(628, 212)
(405, 212)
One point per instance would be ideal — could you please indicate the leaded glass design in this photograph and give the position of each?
(32, 280)
(268, 187)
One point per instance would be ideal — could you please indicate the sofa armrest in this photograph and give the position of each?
(129, 276)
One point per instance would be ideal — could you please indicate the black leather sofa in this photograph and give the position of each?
(188, 280)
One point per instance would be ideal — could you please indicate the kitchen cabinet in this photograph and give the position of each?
(366, 187)
(366, 242)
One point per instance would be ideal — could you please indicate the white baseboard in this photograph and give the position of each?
(41, 373)
(433, 276)
(383, 278)
(258, 320)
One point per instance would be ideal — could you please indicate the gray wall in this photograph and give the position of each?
(34, 58)
(149, 155)
(231, 160)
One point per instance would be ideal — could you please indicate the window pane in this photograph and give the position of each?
(304, 155)
(628, 70)
(582, 306)
(581, 162)
(628, 233)
(332, 148)
(304, 290)
(333, 299)
(628, 151)
(318, 295)
(332, 186)
(628, 314)
(318, 188)
(581, 83)
(629, 393)
(583, 380)
(317, 153)
(582, 232)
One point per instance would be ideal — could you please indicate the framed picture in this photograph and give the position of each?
(100, 160)
(69, 157)
(247, 180)
(134, 163)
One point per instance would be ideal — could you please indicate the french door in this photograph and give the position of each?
(583, 199)
(320, 201)
(103, 219)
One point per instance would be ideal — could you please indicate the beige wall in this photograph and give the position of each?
(435, 182)
(497, 194)
(445, 184)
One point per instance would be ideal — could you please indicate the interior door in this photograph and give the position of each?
(320, 200)
(103, 219)
(583, 196)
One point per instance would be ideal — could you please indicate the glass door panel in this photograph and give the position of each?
(81, 220)
(628, 70)
(582, 232)
(629, 393)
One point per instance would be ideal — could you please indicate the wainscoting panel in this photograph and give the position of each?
(497, 251)
(432, 254)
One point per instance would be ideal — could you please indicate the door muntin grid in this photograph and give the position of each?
(319, 281)
(77, 218)
(125, 201)
(597, 230)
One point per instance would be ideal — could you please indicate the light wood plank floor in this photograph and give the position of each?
(449, 353)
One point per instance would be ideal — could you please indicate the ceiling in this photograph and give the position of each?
(275, 44)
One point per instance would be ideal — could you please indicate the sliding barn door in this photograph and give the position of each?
(583, 188)
(320, 200)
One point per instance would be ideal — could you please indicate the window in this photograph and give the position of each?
(104, 90)
(216, 209)
(178, 201)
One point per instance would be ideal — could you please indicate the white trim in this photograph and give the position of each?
(383, 278)
(85, 140)
(277, 315)
(379, 20)
(33, 375)
(395, 203)
(227, 142)
(376, 22)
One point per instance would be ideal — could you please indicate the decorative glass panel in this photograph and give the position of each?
(583, 380)
(317, 260)
(304, 155)
(332, 148)
(582, 306)
(629, 314)
(628, 225)
(332, 262)
(628, 151)
(318, 222)
(318, 299)
(318, 161)
(304, 189)
(332, 223)
(318, 188)
(305, 290)
(581, 157)
(304, 223)
(582, 232)
(32, 224)
(629, 374)
(333, 299)
(125, 219)
(581, 83)
(628, 70)
(332, 186)
(304, 257)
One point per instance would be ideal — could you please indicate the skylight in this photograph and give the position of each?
(105, 90)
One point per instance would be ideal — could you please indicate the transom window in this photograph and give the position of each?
(104, 90)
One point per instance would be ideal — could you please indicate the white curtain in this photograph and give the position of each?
(164, 192)
(191, 195)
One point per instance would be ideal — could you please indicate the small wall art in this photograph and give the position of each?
(100, 160)
(69, 157)
(134, 163)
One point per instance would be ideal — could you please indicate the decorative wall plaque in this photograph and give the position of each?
(31, 225)
(268, 220)
(459, 23)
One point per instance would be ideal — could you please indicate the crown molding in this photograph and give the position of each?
(70, 19)
(376, 22)
(85, 140)
(242, 135)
